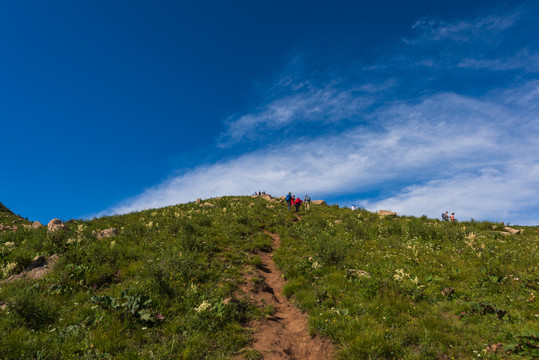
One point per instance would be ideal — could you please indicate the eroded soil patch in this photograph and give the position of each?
(284, 334)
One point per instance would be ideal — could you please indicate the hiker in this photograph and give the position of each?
(452, 217)
(297, 202)
(445, 216)
(307, 201)
(353, 207)
(288, 199)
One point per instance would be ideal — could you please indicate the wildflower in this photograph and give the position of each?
(205, 305)
(8, 268)
(400, 275)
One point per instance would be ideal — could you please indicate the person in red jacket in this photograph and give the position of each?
(298, 203)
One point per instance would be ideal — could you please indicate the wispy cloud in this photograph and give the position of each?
(484, 27)
(493, 42)
(525, 59)
(305, 102)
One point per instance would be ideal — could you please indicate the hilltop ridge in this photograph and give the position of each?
(4, 210)
(183, 282)
(8, 217)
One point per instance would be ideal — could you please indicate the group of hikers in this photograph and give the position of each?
(296, 201)
(446, 217)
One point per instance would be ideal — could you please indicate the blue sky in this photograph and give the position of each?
(417, 106)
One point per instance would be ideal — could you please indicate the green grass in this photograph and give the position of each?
(160, 288)
(399, 311)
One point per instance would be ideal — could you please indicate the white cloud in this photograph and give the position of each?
(490, 195)
(442, 137)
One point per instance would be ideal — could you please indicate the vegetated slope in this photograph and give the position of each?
(4, 210)
(168, 285)
(7, 216)
(9, 221)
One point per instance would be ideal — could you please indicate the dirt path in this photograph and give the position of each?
(284, 335)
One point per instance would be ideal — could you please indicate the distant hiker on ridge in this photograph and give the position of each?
(307, 201)
(288, 199)
(452, 218)
(445, 216)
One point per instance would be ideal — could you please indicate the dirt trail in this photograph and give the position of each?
(284, 335)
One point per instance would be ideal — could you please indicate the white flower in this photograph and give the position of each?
(400, 275)
(205, 305)
(6, 269)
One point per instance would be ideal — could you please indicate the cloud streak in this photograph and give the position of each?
(304, 103)
(467, 31)
(457, 141)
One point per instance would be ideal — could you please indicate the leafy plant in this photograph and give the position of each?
(136, 306)
(526, 343)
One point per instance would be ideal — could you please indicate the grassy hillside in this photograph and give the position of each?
(167, 285)
(8, 217)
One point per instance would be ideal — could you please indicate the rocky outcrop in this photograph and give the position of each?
(318, 202)
(8, 227)
(56, 225)
(512, 231)
(103, 234)
(358, 273)
(38, 267)
(36, 225)
(207, 205)
(38, 261)
(387, 213)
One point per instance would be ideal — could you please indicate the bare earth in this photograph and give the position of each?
(285, 334)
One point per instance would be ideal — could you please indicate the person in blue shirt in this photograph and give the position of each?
(288, 199)
(445, 216)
